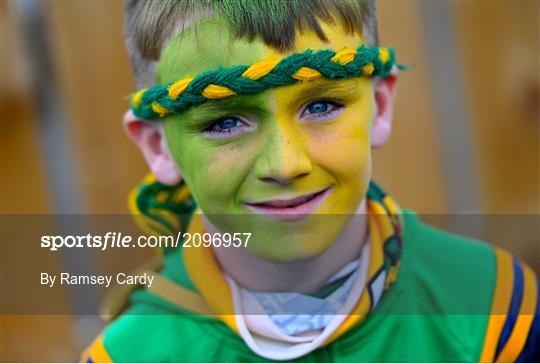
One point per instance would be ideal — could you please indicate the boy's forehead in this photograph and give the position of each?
(210, 45)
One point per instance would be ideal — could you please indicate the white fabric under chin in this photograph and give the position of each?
(297, 313)
(265, 339)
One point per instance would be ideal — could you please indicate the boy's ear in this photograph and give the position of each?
(385, 91)
(149, 137)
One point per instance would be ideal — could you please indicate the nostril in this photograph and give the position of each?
(282, 180)
(277, 180)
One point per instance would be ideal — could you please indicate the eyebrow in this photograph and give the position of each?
(216, 108)
(325, 88)
(253, 104)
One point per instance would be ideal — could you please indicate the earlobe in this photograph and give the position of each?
(385, 90)
(151, 141)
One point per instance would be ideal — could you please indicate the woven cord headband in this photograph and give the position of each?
(174, 98)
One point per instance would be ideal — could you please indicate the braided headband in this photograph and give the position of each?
(174, 98)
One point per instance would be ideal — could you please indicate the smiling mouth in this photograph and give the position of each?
(290, 208)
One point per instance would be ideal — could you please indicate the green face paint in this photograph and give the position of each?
(303, 148)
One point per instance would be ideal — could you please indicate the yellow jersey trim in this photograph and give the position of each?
(500, 304)
(520, 332)
(96, 353)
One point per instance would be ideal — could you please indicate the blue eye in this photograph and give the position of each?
(318, 107)
(227, 123)
(226, 127)
(321, 109)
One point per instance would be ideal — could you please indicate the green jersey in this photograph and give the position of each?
(454, 299)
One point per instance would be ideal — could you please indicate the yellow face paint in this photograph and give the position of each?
(306, 145)
(342, 147)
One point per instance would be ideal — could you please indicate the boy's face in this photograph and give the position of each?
(291, 164)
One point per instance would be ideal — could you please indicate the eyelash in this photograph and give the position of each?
(225, 133)
(336, 107)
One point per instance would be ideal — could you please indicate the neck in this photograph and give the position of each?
(306, 276)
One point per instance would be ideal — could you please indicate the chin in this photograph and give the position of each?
(286, 242)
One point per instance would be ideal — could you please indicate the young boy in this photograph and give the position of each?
(257, 120)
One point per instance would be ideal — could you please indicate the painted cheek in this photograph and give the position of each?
(349, 141)
(216, 175)
(343, 150)
(346, 146)
(190, 154)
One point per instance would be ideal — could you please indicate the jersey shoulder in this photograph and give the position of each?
(454, 274)
(471, 277)
(513, 329)
(141, 336)
(151, 330)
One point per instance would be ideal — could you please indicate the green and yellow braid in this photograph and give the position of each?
(174, 98)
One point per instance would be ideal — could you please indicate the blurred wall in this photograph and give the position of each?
(498, 52)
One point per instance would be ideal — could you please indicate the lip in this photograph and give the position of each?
(290, 209)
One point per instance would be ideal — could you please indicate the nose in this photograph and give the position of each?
(284, 157)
